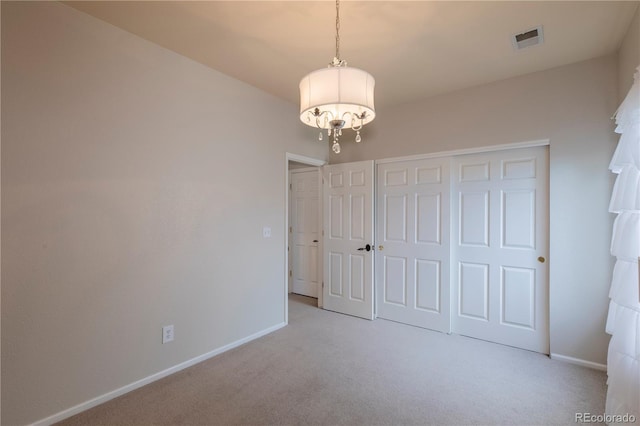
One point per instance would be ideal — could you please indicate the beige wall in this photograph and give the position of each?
(629, 56)
(135, 189)
(135, 185)
(571, 106)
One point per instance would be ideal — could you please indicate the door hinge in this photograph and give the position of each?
(290, 273)
(290, 187)
(322, 284)
(290, 229)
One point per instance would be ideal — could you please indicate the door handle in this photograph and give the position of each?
(541, 259)
(367, 248)
(315, 241)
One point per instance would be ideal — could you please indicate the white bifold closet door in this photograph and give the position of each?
(461, 244)
(499, 245)
(412, 259)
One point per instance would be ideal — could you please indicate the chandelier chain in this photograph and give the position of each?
(338, 29)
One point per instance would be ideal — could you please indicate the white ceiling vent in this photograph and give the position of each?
(528, 38)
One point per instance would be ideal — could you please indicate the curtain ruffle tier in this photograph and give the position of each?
(623, 321)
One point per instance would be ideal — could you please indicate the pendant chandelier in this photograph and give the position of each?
(337, 97)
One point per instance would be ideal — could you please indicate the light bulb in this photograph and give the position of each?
(328, 132)
(358, 138)
(336, 147)
(320, 136)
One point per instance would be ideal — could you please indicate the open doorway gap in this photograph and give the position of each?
(293, 161)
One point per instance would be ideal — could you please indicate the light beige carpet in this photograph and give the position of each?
(331, 369)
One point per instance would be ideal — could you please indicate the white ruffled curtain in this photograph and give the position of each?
(623, 322)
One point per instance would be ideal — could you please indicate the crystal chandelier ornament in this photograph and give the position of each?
(337, 97)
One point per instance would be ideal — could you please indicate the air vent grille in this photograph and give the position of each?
(527, 38)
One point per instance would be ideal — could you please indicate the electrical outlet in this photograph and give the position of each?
(266, 232)
(167, 334)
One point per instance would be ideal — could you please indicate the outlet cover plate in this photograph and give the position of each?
(167, 334)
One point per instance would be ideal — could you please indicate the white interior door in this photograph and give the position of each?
(500, 238)
(413, 233)
(348, 229)
(305, 235)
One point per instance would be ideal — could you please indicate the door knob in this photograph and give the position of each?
(367, 248)
(541, 259)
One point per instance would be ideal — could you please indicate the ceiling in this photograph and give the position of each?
(414, 49)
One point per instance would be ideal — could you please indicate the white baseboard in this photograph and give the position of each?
(578, 361)
(157, 376)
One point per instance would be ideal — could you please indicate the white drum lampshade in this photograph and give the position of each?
(341, 93)
(337, 97)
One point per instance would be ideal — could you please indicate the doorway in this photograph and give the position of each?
(303, 259)
(305, 231)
